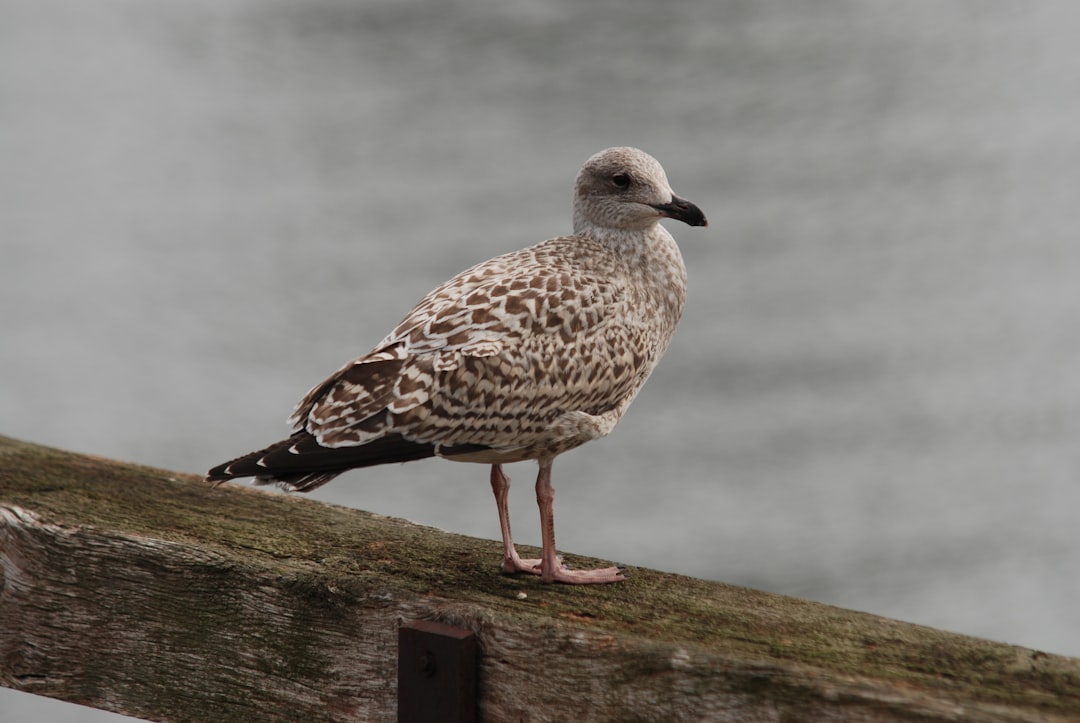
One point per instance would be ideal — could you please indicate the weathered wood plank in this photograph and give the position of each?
(149, 593)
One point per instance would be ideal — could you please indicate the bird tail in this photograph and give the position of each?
(301, 464)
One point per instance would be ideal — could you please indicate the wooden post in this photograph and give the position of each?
(150, 593)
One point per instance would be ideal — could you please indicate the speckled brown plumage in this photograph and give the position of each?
(524, 356)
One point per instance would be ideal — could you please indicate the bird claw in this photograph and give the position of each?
(516, 564)
(561, 573)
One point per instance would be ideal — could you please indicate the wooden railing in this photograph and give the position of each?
(150, 593)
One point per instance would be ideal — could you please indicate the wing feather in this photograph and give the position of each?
(494, 356)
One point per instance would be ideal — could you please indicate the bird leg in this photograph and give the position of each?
(551, 567)
(500, 485)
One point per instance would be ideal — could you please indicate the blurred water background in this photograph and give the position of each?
(873, 400)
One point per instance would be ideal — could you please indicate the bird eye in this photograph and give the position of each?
(621, 180)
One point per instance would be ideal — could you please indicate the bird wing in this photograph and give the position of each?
(492, 357)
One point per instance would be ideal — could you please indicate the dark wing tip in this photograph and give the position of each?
(300, 463)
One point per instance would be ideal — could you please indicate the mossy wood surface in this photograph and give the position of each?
(150, 593)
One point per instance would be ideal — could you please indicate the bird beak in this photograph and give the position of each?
(682, 210)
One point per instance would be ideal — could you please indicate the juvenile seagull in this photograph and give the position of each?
(525, 356)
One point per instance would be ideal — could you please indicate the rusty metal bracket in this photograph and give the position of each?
(436, 673)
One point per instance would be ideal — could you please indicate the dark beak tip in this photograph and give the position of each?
(682, 210)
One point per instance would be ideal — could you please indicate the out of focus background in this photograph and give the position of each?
(874, 399)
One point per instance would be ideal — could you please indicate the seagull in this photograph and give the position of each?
(522, 357)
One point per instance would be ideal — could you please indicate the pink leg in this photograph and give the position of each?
(552, 569)
(500, 485)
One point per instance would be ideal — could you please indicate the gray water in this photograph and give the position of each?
(873, 400)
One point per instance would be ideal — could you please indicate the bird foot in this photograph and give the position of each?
(561, 573)
(516, 564)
